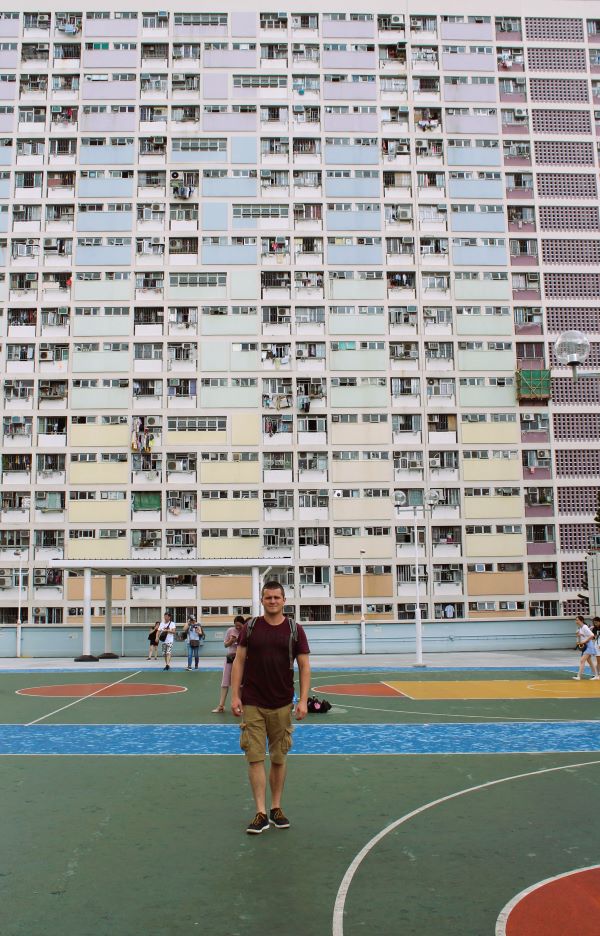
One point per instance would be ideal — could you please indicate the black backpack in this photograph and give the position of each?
(318, 706)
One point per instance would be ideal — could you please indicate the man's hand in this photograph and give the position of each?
(301, 710)
(236, 706)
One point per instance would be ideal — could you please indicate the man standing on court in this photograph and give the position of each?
(264, 663)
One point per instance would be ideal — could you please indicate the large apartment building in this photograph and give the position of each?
(266, 276)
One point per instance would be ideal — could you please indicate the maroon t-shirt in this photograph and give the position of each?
(268, 680)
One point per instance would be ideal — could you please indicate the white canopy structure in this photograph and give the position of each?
(108, 567)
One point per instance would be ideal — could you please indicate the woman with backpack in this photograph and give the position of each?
(232, 636)
(153, 640)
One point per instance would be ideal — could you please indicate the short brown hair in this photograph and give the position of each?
(271, 586)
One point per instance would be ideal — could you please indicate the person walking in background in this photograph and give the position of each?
(153, 640)
(194, 634)
(264, 664)
(587, 644)
(231, 640)
(167, 636)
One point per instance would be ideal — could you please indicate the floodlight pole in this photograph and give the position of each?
(19, 633)
(418, 620)
(363, 626)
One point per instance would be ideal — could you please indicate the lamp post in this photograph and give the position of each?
(363, 626)
(430, 499)
(573, 348)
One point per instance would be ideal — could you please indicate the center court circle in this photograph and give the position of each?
(568, 903)
(100, 690)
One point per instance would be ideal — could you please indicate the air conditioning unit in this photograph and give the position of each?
(404, 214)
(37, 612)
(520, 112)
(413, 353)
(171, 466)
(543, 453)
(45, 355)
(39, 577)
(156, 207)
(338, 494)
(152, 420)
(414, 464)
(480, 567)
(176, 175)
(396, 20)
(5, 582)
(435, 462)
(300, 353)
(528, 417)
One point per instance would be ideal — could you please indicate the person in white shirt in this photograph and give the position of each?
(587, 644)
(167, 629)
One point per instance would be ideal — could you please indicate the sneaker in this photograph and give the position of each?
(594, 677)
(189, 669)
(576, 677)
(259, 824)
(278, 819)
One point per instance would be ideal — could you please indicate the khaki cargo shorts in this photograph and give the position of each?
(262, 724)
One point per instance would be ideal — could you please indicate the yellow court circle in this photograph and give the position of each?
(498, 689)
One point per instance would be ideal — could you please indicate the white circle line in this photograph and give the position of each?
(340, 900)
(82, 699)
(507, 910)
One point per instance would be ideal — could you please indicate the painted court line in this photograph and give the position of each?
(506, 911)
(82, 699)
(402, 693)
(340, 900)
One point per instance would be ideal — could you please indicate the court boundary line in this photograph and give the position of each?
(492, 718)
(342, 893)
(82, 699)
(509, 907)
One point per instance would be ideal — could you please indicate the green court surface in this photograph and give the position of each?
(140, 842)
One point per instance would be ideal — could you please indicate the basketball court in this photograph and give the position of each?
(426, 802)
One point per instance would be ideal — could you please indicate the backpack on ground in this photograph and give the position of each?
(318, 706)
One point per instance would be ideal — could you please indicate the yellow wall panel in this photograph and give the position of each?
(492, 469)
(375, 586)
(362, 508)
(230, 472)
(75, 588)
(245, 428)
(100, 436)
(228, 510)
(107, 511)
(360, 433)
(226, 587)
(375, 547)
(481, 545)
(97, 549)
(487, 508)
(495, 583)
(98, 473)
(361, 472)
(230, 548)
(488, 432)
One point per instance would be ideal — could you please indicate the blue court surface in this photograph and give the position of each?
(496, 738)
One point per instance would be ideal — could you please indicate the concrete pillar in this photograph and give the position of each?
(86, 656)
(108, 651)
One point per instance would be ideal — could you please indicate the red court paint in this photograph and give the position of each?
(102, 690)
(377, 690)
(568, 904)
